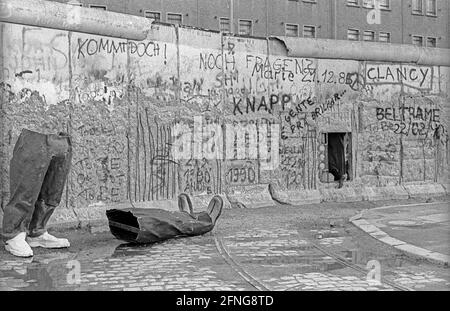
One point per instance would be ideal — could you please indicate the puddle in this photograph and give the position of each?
(303, 265)
(324, 234)
(133, 249)
(44, 272)
(34, 277)
(361, 258)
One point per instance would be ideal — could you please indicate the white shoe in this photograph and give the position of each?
(47, 240)
(18, 246)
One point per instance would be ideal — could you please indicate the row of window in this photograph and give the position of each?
(173, 18)
(427, 6)
(292, 30)
(418, 7)
(245, 26)
(384, 4)
(368, 35)
(430, 42)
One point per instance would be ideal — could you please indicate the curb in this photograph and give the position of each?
(425, 190)
(292, 197)
(343, 195)
(412, 250)
(254, 196)
(385, 193)
(446, 188)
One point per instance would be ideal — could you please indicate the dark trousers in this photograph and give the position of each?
(38, 173)
(149, 225)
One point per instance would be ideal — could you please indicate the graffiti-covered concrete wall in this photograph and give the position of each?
(131, 106)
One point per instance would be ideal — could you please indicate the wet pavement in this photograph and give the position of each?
(282, 248)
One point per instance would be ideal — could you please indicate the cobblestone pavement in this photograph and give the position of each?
(175, 265)
(275, 252)
(279, 255)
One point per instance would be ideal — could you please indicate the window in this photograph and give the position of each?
(309, 31)
(417, 40)
(153, 15)
(291, 30)
(174, 18)
(353, 34)
(431, 42)
(98, 7)
(368, 3)
(352, 2)
(431, 7)
(369, 36)
(75, 2)
(385, 4)
(417, 6)
(224, 25)
(384, 37)
(245, 27)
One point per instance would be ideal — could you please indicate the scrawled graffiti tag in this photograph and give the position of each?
(121, 99)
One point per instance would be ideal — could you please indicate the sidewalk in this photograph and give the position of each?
(422, 230)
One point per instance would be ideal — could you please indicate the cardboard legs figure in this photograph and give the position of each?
(38, 173)
(148, 225)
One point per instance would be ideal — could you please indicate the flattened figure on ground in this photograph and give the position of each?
(149, 225)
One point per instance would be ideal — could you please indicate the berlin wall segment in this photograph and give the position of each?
(198, 112)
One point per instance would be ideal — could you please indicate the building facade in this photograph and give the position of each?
(419, 22)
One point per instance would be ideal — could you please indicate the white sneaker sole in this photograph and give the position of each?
(17, 254)
(39, 244)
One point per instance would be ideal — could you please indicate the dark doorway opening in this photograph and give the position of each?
(339, 155)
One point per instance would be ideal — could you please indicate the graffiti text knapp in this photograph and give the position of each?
(413, 76)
